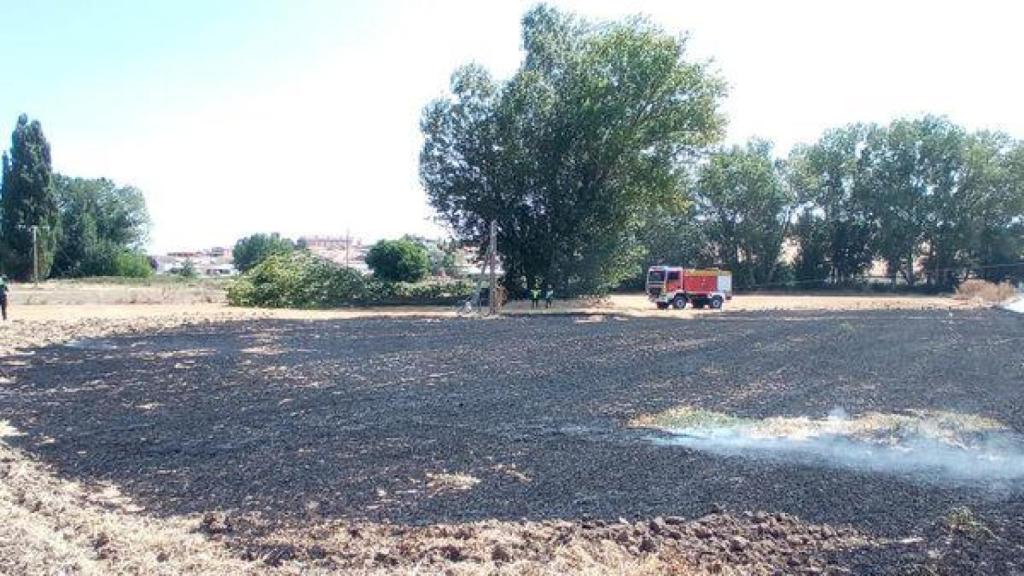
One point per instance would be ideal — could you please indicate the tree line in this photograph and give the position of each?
(83, 227)
(930, 200)
(601, 155)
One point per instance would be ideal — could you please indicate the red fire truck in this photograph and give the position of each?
(675, 286)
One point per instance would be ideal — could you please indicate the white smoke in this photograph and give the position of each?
(1015, 305)
(92, 344)
(931, 446)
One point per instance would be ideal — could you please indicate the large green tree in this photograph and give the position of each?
(671, 235)
(912, 171)
(251, 250)
(27, 199)
(595, 127)
(745, 208)
(989, 211)
(835, 228)
(403, 260)
(100, 224)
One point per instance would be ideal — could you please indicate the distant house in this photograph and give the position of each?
(165, 263)
(343, 250)
(213, 262)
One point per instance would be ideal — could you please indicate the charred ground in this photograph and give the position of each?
(300, 421)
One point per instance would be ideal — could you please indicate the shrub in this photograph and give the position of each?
(297, 280)
(322, 284)
(398, 261)
(421, 293)
(132, 265)
(985, 291)
(188, 269)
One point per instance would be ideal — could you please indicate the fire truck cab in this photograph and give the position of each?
(675, 286)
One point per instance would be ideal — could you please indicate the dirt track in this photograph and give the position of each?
(289, 424)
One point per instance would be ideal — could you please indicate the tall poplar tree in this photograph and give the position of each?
(27, 198)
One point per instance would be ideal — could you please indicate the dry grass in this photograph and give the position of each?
(52, 526)
(155, 291)
(555, 547)
(950, 428)
(33, 326)
(488, 547)
(686, 417)
(985, 292)
(962, 520)
(448, 482)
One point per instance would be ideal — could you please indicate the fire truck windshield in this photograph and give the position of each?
(655, 277)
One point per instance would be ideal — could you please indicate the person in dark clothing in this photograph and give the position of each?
(549, 297)
(3, 296)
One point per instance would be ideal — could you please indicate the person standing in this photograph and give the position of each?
(534, 297)
(549, 297)
(3, 296)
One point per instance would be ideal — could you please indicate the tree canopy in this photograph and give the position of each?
(836, 228)
(923, 195)
(744, 209)
(103, 227)
(600, 122)
(251, 250)
(400, 260)
(27, 199)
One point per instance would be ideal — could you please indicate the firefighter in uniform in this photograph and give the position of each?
(3, 296)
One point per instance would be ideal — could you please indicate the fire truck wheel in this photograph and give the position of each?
(716, 302)
(679, 302)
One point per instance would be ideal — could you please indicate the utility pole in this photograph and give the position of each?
(348, 243)
(35, 254)
(492, 253)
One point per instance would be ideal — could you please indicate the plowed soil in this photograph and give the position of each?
(295, 431)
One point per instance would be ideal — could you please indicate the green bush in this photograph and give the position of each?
(398, 261)
(297, 280)
(423, 293)
(107, 260)
(188, 269)
(303, 280)
(132, 265)
(323, 284)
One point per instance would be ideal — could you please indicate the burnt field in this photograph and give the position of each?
(423, 421)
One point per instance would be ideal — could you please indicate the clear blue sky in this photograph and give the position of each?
(301, 116)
